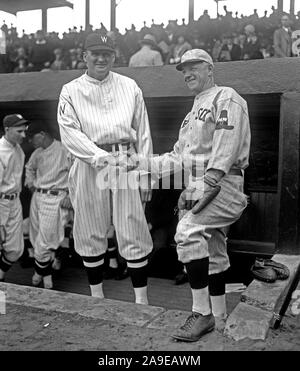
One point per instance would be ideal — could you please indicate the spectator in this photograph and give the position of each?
(252, 45)
(22, 65)
(146, 56)
(179, 49)
(283, 39)
(58, 63)
(230, 51)
(40, 52)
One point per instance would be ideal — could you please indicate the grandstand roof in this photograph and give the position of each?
(14, 6)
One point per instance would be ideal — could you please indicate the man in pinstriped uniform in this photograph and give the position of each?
(47, 177)
(102, 116)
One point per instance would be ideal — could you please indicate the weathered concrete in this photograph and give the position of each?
(248, 322)
(266, 295)
(86, 306)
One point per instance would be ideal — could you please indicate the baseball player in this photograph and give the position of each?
(213, 143)
(47, 177)
(11, 168)
(102, 118)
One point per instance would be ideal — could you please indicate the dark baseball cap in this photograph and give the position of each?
(37, 127)
(14, 120)
(96, 41)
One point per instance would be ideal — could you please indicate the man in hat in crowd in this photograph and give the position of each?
(47, 173)
(148, 55)
(213, 146)
(11, 168)
(102, 118)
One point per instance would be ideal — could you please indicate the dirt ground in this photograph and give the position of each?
(28, 329)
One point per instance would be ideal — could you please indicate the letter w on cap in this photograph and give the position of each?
(104, 39)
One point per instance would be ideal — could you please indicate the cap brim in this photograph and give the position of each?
(180, 66)
(19, 123)
(97, 47)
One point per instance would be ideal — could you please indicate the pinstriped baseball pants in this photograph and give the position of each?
(97, 207)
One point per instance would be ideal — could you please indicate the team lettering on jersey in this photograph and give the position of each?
(222, 122)
(202, 113)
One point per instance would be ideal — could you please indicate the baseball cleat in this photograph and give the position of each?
(195, 327)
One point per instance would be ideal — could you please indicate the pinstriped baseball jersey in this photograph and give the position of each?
(48, 168)
(104, 112)
(108, 111)
(217, 128)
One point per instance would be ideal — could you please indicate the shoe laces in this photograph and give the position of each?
(190, 321)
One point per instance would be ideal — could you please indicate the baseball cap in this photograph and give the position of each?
(36, 127)
(193, 56)
(14, 120)
(96, 41)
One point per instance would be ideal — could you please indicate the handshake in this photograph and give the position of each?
(126, 161)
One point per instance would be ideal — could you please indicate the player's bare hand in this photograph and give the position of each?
(65, 203)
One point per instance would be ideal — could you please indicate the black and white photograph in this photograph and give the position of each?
(149, 180)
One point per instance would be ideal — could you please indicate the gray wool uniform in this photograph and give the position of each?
(11, 168)
(91, 114)
(217, 129)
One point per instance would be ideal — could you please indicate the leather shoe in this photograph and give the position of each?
(195, 327)
(181, 278)
(262, 273)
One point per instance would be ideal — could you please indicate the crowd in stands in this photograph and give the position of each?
(228, 37)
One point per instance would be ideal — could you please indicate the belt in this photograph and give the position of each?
(11, 196)
(48, 191)
(235, 172)
(113, 147)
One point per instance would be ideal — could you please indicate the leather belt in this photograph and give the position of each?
(235, 172)
(10, 197)
(114, 147)
(48, 191)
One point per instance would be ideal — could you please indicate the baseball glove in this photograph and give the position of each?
(190, 200)
(2, 235)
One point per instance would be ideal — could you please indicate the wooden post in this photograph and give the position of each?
(87, 13)
(280, 6)
(292, 7)
(191, 10)
(113, 7)
(44, 20)
(288, 175)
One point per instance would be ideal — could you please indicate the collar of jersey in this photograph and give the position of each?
(107, 79)
(206, 91)
(7, 143)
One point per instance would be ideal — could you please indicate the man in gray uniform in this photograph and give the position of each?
(11, 168)
(215, 137)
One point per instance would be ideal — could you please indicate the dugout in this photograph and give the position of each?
(272, 90)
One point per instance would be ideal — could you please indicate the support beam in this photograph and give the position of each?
(87, 13)
(191, 10)
(280, 6)
(44, 20)
(292, 7)
(288, 175)
(113, 7)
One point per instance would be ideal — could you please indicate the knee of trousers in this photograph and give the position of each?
(14, 254)
(191, 243)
